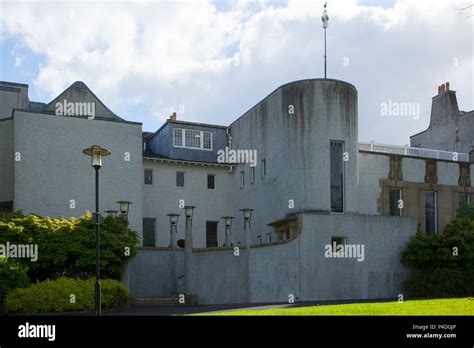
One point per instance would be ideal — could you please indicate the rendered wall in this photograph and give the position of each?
(6, 160)
(53, 170)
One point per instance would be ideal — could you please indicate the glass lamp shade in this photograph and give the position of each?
(188, 211)
(96, 152)
(173, 219)
(228, 221)
(124, 206)
(247, 213)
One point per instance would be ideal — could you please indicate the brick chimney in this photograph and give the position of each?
(173, 117)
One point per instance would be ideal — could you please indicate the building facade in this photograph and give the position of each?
(294, 158)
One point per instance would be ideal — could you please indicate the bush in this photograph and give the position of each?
(55, 296)
(443, 263)
(66, 247)
(12, 275)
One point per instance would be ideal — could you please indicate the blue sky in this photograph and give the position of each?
(216, 59)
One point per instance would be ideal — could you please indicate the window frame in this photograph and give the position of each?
(390, 189)
(242, 178)
(184, 179)
(154, 232)
(183, 139)
(152, 176)
(343, 181)
(252, 175)
(435, 199)
(214, 181)
(461, 194)
(264, 168)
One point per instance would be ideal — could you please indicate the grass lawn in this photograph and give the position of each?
(453, 306)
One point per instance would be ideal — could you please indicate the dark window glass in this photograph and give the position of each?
(394, 196)
(211, 181)
(337, 176)
(180, 179)
(336, 241)
(264, 168)
(149, 227)
(463, 199)
(242, 179)
(211, 234)
(148, 176)
(430, 212)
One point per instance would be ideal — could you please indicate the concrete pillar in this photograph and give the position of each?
(248, 296)
(188, 253)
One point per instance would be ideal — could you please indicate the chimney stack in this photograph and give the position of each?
(173, 116)
(447, 86)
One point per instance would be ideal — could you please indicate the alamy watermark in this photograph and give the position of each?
(237, 156)
(405, 109)
(20, 251)
(335, 250)
(75, 109)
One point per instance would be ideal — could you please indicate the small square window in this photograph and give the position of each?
(180, 179)
(211, 181)
(148, 176)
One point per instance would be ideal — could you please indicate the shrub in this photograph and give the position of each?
(12, 274)
(67, 246)
(55, 296)
(443, 263)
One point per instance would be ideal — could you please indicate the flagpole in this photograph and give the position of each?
(325, 19)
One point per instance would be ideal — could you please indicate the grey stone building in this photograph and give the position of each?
(312, 185)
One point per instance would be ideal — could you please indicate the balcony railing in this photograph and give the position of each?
(414, 151)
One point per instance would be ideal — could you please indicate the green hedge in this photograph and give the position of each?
(66, 247)
(12, 275)
(439, 271)
(55, 296)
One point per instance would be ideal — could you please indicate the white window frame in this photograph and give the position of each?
(183, 139)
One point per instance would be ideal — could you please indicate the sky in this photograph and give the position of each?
(211, 61)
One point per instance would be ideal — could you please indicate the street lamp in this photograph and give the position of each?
(173, 223)
(228, 229)
(188, 246)
(325, 20)
(247, 212)
(96, 152)
(124, 207)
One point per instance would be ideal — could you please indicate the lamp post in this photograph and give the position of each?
(188, 245)
(247, 216)
(124, 206)
(228, 229)
(96, 152)
(325, 20)
(173, 223)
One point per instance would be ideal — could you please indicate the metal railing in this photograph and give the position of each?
(414, 151)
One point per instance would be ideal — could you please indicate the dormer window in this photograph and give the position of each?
(192, 139)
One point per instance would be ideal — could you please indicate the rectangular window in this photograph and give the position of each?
(242, 179)
(264, 168)
(337, 176)
(148, 176)
(259, 239)
(211, 234)
(269, 237)
(149, 230)
(431, 214)
(192, 139)
(207, 140)
(252, 175)
(180, 179)
(395, 195)
(211, 181)
(178, 137)
(464, 199)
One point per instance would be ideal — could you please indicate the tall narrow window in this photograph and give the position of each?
(242, 179)
(211, 181)
(269, 237)
(464, 199)
(395, 195)
(337, 176)
(207, 143)
(180, 179)
(178, 137)
(264, 168)
(148, 176)
(431, 223)
(149, 230)
(252, 175)
(211, 234)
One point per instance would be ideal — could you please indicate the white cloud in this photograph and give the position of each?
(165, 54)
